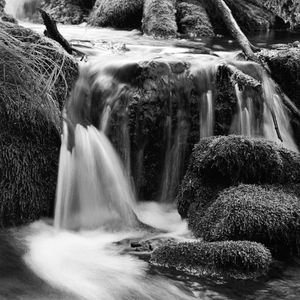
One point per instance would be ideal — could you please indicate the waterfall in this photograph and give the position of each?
(22, 8)
(92, 189)
(260, 121)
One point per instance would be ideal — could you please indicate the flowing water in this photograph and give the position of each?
(97, 199)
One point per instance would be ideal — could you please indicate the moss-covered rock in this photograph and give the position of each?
(288, 10)
(159, 18)
(36, 75)
(220, 162)
(118, 14)
(229, 259)
(262, 214)
(67, 11)
(192, 18)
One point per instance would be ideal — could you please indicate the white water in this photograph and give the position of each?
(92, 189)
(90, 265)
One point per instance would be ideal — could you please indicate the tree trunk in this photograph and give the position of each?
(234, 28)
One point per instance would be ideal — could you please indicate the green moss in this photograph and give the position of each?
(33, 87)
(240, 259)
(118, 14)
(159, 18)
(263, 214)
(192, 19)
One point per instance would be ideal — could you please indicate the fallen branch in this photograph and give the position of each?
(240, 78)
(53, 33)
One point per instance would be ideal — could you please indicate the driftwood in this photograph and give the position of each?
(53, 33)
(244, 43)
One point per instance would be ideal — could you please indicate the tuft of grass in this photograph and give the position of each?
(118, 14)
(220, 162)
(229, 259)
(159, 18)
(266, 214)
(35, 77)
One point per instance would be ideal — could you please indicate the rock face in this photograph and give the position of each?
(31, 112)
(192, 19)
(118, 14)
(159, 18)
(240, 260)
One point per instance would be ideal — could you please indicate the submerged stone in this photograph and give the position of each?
(266, 214)
(228, 259)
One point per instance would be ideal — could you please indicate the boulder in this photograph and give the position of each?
(228, 259)
(220, 162)
(266, 214)
(159, 18)
(34, 82)
(192, 19)
(125, 14)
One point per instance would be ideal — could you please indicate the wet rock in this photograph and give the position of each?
(38, 75)
(220, 162)
(228, 259)
(266, 214)
(118, 14)
(159, 18)
(192, 19)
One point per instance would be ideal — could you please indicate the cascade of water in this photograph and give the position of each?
(206, 115)
(22, 8)
(260, 122)
(92, 188)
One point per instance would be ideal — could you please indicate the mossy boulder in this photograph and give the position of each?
(118, 14)
(228, 259)
(192, 19)
(220, 162)
(67, 11)
(35, 78)
(159, 18)
(264, 214)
